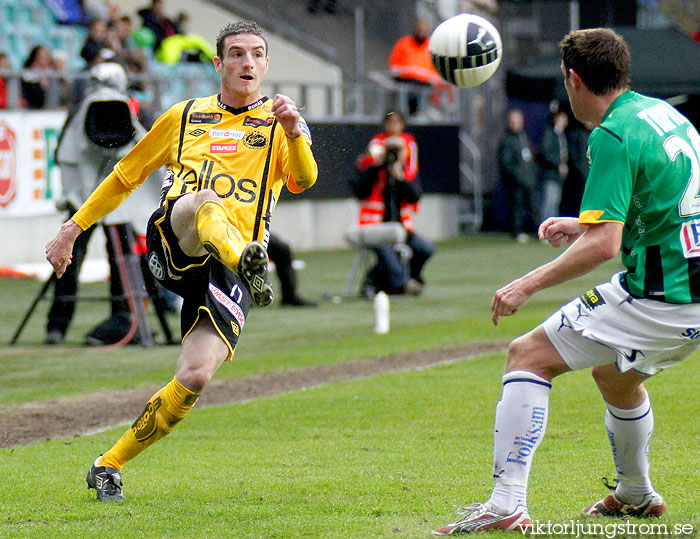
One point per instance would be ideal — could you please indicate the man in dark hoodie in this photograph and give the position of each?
(155, 20)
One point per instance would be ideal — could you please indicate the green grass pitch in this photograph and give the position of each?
(391, 455)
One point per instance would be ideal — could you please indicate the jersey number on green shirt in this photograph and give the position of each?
(689, 204)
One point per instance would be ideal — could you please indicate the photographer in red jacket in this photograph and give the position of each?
(389, 190)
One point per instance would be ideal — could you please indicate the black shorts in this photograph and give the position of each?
(204, 283)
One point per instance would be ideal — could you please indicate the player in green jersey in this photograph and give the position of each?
(641, 198)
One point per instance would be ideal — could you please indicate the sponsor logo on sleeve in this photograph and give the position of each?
(255, 140)
(230, 305)
(224, 148)
(592, 299)
(205, 117)
(166, 185)
(251, 121)
(305, 129)
(226, 133)
(690, 238)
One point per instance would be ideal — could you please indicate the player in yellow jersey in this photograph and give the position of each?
(228, 157)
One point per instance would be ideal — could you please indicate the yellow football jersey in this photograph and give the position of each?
(242, 154)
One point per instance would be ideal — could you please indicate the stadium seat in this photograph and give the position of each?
(16, 49)
(30, 16)
(9, 14)
(69, 39)
(366, 239)
(29, 23)
(32, 36)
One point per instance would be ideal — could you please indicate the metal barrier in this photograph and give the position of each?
(344, 102)
(366, 101)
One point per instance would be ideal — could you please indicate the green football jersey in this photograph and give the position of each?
(645, 173)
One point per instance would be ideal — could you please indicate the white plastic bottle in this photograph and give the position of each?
(381, 313)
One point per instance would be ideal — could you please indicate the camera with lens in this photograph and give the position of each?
(392, 155)
(393, 149)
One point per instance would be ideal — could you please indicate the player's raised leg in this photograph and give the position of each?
(203, 352)
(629, 421)
(521, 420)
(202, 226)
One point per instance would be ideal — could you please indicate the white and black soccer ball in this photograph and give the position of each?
(466, 50)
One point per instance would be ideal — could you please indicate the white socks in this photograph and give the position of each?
(629, 432)
(521, 420)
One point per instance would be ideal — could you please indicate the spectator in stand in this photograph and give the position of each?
(99, 9)
(119, 40)
(96, 49)
(59, 63)
(35, 83)
(141, 88)
(572, 191)
(155, 20)
(95, 42)
(184, 46)
(519, 175)
(554, 161)
(4, 64)
(182, 23)
(59, 60)
(409, 63)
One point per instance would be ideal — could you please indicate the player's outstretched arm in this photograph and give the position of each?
(597, 244)
(104, 199)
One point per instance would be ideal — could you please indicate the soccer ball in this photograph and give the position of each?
(466, 50)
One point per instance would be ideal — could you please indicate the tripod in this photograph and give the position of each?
(138, 285)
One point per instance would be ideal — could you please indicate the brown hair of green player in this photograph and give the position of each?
(599, 56)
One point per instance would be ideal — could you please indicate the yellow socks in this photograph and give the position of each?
(218, 235)
(164, 410)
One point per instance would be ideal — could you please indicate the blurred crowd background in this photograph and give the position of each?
(334, 58)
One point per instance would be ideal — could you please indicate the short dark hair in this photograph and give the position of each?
(394, 114)
(236, 28)
(599, 56)
(31, 58)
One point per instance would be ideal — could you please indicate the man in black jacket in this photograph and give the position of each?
(519, 175)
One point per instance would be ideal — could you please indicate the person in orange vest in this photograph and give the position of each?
(409, 62)
(389, 189)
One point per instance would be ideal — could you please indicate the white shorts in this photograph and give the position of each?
(607, 325)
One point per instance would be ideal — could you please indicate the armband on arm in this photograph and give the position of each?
(103, 200)
(302, 165)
